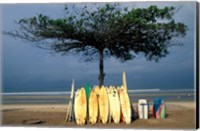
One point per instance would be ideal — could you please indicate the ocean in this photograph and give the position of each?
(63, 97)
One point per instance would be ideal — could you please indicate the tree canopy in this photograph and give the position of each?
(107, 31)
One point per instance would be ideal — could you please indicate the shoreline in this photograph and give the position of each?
(64, 99)
(169, 105)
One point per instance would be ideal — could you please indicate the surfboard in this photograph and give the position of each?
(80, 106)
(97, 91)
(125, 106)
(114, 105)
(103, 105)
(93, 107)
(110, 103)
(143, 109)
(87, 91)
(118, 88)
(124, 80)
(70, 108)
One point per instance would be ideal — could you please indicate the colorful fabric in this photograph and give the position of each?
(159, 109)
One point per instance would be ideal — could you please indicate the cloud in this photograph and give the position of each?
(27, 68)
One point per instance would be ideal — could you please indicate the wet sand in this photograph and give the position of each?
(180, 115)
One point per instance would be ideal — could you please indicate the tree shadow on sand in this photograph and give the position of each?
(7, 110)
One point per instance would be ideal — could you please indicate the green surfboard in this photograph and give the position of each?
(87, 91)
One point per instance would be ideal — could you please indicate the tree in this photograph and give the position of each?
(107, 31)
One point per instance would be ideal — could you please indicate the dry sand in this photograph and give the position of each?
(180, 115)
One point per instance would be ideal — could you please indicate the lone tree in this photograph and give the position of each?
(106, 31)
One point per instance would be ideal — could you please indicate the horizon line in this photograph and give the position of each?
(68, 92)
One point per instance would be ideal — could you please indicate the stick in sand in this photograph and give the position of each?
(69, 114)
(124, 80)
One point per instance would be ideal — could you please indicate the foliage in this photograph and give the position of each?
(121, 33)
(107, 31)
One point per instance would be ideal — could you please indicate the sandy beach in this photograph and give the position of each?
(180, 115)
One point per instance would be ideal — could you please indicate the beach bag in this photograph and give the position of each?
(159, 108)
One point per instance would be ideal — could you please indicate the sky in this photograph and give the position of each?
(29, 69)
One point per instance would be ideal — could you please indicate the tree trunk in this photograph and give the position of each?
(101, 73)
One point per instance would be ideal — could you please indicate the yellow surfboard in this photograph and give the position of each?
(93, 107)
(125, 106)
(110, 103)
(97, 91)
(80, 106)
(118, 88)
(103, 105)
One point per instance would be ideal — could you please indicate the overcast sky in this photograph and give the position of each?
(26, 68)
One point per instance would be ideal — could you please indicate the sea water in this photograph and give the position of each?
(63, 97)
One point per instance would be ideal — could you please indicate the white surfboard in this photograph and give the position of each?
(104, 105)
(143, 109)
(114, 105)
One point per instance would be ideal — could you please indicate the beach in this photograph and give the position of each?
(180, 115)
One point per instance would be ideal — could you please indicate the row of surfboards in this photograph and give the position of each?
(108, 104)
(103, 104)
